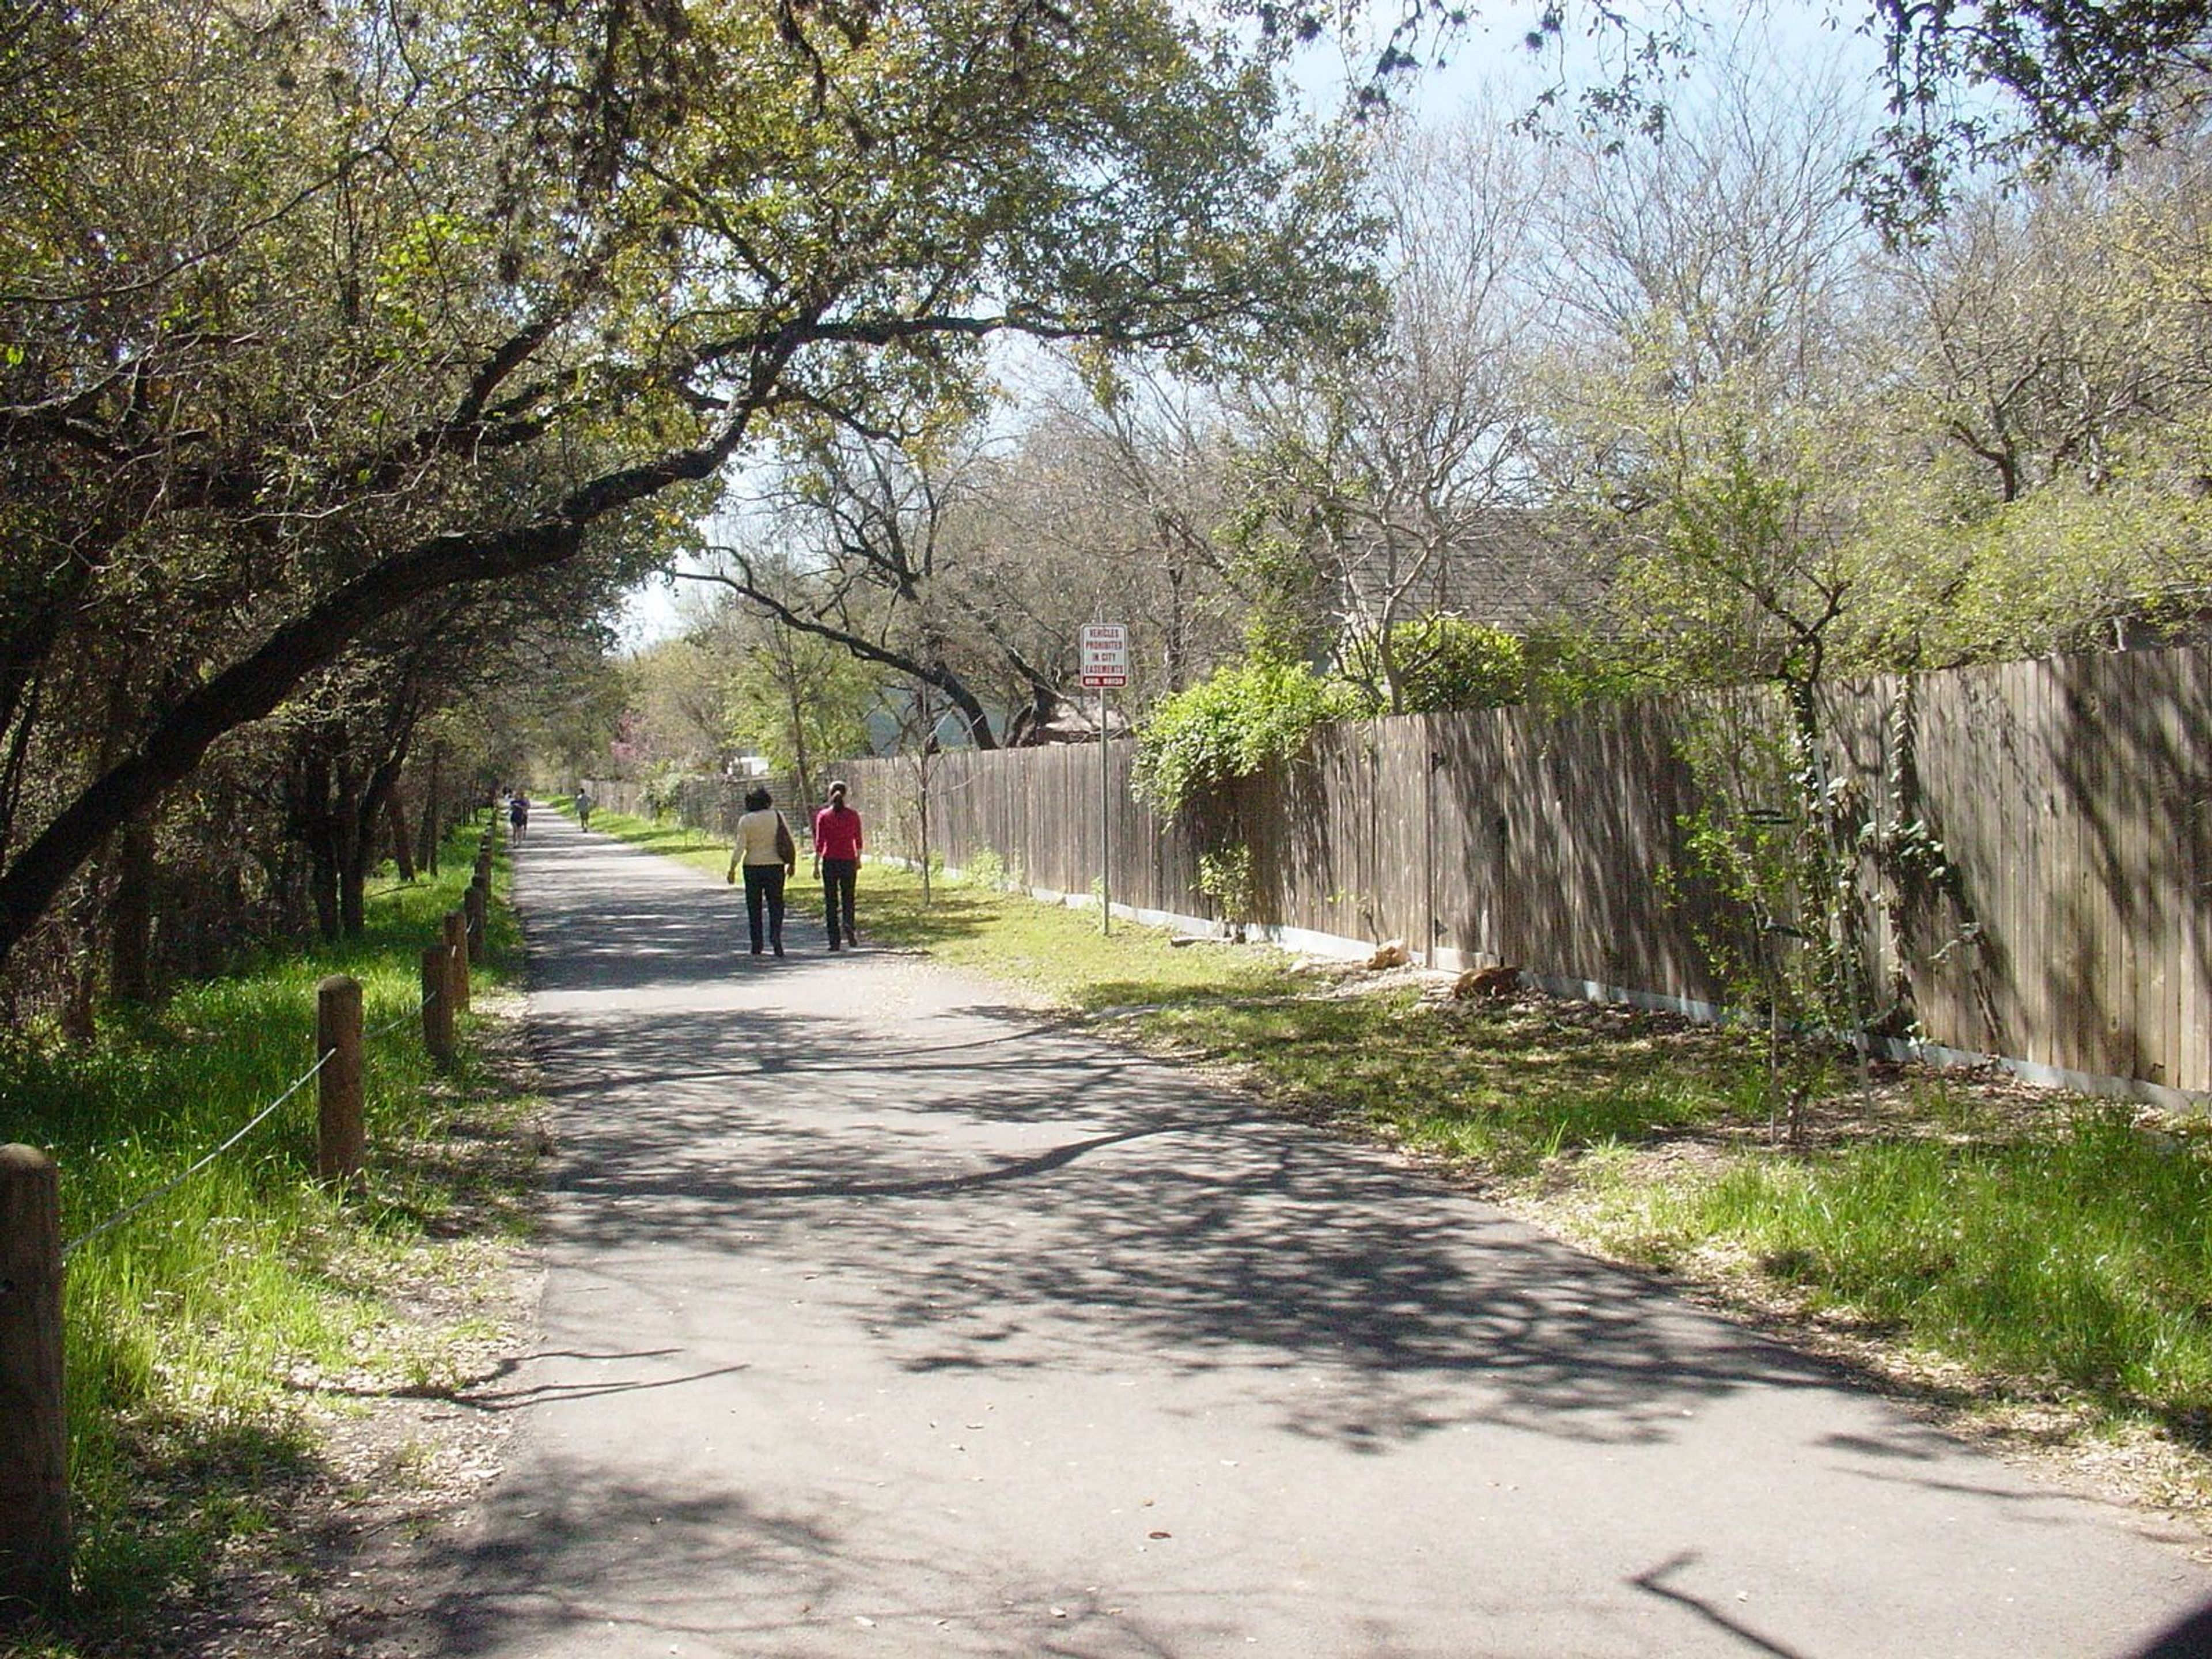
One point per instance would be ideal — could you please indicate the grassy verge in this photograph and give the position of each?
(2032, 1261)
(2002, 1249)
(200, 1328)
(674, 841)
(2071, 1255)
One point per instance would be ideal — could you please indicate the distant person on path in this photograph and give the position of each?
(518, 815)
(583, 807)
(769, 854)
(837, 853)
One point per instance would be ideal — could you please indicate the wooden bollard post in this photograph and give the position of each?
(341, 1142)
(457, 947)
(438, 1004)
(35, 1520)
(474, 908)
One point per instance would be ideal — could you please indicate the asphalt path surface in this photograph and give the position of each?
(881, 1317)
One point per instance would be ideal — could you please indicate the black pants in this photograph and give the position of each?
(764, 881)
(838, 876)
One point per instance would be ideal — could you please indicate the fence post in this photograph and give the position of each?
(35, 1520)
(341, 1143)
(438, 1004)
(457, 947)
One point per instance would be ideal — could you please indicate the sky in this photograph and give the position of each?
(1488, 65)
(649, 614)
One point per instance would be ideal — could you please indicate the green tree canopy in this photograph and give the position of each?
(429, 297)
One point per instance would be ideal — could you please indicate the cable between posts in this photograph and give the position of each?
(395, 1023)
(244, 1130)
(164, 1190)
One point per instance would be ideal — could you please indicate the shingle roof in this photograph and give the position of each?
(1518, 571)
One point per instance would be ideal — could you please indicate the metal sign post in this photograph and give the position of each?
(1105, 826)
(1105, 663)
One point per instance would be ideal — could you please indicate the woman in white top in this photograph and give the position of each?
(769, 854)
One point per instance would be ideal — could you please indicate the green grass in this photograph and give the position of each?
(2047, 1245)
(1496, 1089)
(188, 1324)
(2080, 1259)
(1060, 952)
(676, 841)
(1052, 949)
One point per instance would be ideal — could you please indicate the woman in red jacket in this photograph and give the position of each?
(837, 846)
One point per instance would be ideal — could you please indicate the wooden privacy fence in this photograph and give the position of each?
(2065, 807)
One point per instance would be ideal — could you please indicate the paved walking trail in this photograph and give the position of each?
(881, 1319)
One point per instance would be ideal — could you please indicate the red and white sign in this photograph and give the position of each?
(1105, 654)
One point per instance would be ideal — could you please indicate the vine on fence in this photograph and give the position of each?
(1797, 858)
(1229, 726)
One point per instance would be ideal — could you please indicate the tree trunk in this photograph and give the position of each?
(323, 883)
(800, 758)
(971, 712)
(130, 915)
(1176, 655)
(19, 748)
(921, 820)
(353, 885)
(402, 848)
(430, 830)
(358, 816)
(318, 831)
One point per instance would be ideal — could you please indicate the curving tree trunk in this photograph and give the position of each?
(130, 915)
(181, 734)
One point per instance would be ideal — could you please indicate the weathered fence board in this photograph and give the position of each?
(2069, 924)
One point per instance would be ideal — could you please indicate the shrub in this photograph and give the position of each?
(1225, 877)
(1446, 663)
(1231, 725)
(984, 868)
